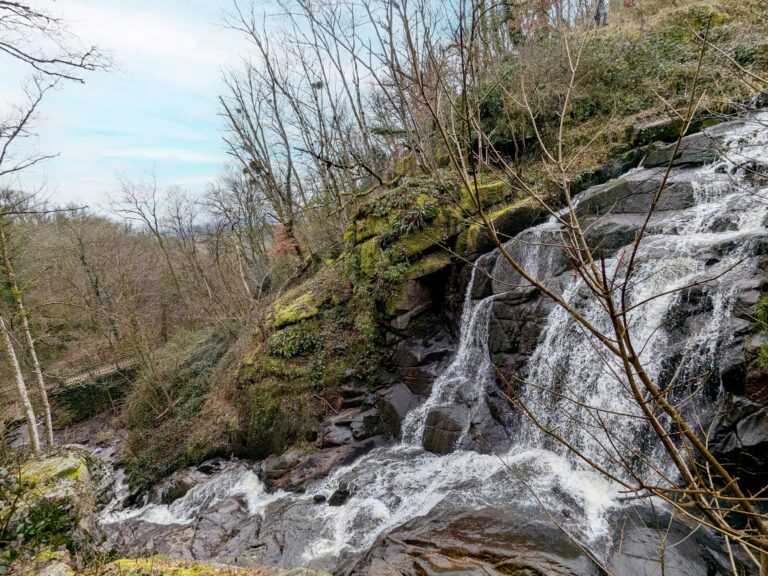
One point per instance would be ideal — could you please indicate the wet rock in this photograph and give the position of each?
(308, 467)
(633, 194)
(319, 498)
(474, 542)
(487, 430)
(276, 467)
(695, 150)
(514, 330)
(419, 351)
(366, 425)
(177, 485)
(483, 285)
(539, 252)
(687, 550)
(443, 429)
(394, 404)
(341, 494)
(741, 441)
(419, 360)
(333, 436)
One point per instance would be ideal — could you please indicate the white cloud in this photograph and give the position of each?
(156, 111)
(175, 154)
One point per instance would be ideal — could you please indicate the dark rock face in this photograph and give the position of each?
(341, 494)
(741, 442)
(695, 150)
(419, 360)
(294, 469)
(632, 194)
(394, 404)
(475, 542)
(443, 429)
(652, 544)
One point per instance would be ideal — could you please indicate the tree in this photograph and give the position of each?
(44, 43)
(21, 388)
(17, 295)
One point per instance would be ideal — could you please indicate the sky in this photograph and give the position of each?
(155, 113)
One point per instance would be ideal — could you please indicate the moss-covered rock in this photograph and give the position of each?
(46, 509)
(294, 307)
(507, 220)
(486, 194)
(159, 566)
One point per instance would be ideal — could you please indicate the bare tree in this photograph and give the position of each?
(17, 295)
(21, 388)
(44, 43)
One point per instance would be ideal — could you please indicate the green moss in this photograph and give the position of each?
(428, 265)
(158, 566)
(46, 505)
(278, 416)
(282, 368)
(369, 227)
(294, 310)
(370, 255)
(466, 243)
(41, 473)
(487, 194)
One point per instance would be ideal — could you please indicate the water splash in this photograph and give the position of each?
(468, 374)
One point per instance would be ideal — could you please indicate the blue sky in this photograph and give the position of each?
(156, 113)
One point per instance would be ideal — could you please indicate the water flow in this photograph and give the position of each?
(466, 377)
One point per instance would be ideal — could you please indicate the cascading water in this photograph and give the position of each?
(573, 384)
(466, 376)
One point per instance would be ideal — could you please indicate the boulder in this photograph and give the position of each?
(394, 404)
(633, 194)
(443, 429)
(474, 541)
(55, 508)
(341, 494)
(741, 441)
(293, 470)
(177, 485)
(687, 550)
(419, 351)
(419, 360)
(694, 150)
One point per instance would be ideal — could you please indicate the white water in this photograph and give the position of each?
(234, 480)
(396, 484)
(468, 374)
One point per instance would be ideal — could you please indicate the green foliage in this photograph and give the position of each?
(162, 434)
(761, 314)
(76, 403)
(292, 341)
(625, 70)
(408, 207)
(43, 507)
(278, 416)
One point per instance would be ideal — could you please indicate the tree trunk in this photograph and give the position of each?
(39, 376)
(28, 336)
(29, 413)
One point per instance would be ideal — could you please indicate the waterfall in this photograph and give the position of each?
(571, 384)
(468, 374)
